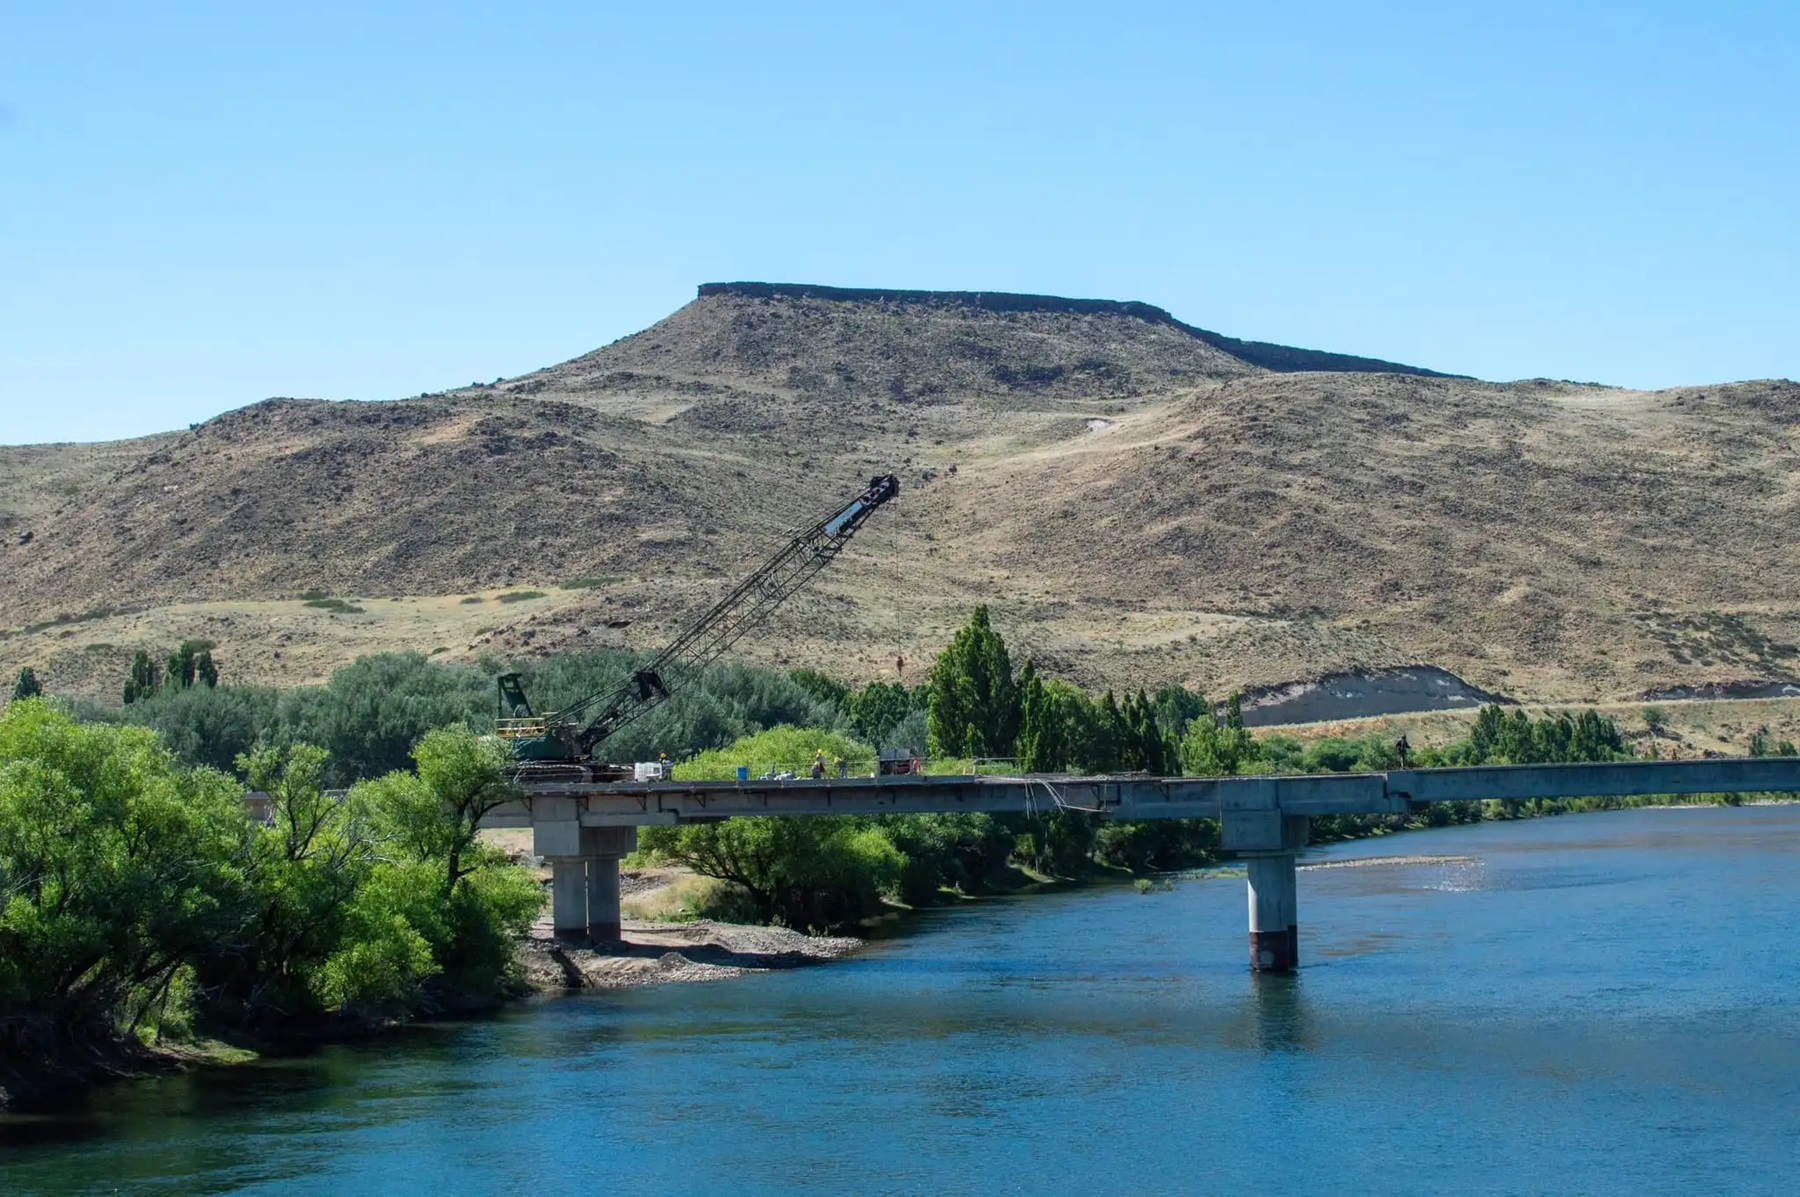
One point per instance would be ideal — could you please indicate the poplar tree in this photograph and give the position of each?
(972, 702)
(143, 681)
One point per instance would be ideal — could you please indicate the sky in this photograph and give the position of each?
(203, 205)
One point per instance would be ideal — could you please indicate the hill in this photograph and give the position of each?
(1140, 500)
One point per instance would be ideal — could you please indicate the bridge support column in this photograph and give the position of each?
(1253, 826)
(568, 897)
(1274, 914)
(604, 847)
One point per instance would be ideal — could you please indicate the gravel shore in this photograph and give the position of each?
(657, 953)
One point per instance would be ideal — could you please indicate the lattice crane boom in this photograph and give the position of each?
(570, 735)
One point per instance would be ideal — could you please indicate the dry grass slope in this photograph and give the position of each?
(1138, 505)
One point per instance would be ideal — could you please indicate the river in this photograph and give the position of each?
(1589, 1004)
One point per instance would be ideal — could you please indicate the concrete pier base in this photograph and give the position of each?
(1274, 913)
(603, 898)
(604, 847)
(569, 897)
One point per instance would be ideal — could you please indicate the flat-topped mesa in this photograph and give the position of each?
(1280, 358)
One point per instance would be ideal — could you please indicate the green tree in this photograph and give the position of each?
(1175, 707)
(181, 667)
(1217, 747)
(435, 814)
(972, 701)
(439, 884)
(143, 680)
(820, 687)
(822, 873)
(118, 870)
(1042, 743)
(876, 710)
(27, 686)
(308, 866)
(205, 671)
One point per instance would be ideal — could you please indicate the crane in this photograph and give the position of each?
(565, 739)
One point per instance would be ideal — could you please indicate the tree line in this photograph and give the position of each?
(137, 900)
(134, 897)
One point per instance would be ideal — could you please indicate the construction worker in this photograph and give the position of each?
(818, 769)
(843, 767)
(1403, 750)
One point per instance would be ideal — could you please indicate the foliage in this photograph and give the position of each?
(1762, 744)
(973, 702)
(1057, 844)
(820, 873)
(117, 870)
(880, 711)
(129, 883)
(820, 688)
(1503, 737)
(211, 726)
(1157, 844)
(144, 680)
(1061, 729)
(371, 712)
(28, 685)
(966, 853)
(1217, 746)
(786, 747)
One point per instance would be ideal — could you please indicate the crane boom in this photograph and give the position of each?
(563, 736)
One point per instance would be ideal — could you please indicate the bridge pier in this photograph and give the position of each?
(607, 845)
(1252, 825)
(568, 896)
(1274, 913)
(584, 869)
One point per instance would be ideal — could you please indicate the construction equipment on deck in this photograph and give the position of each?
(562, 742)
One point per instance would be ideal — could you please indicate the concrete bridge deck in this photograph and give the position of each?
(583, 829)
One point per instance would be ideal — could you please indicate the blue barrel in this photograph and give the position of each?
(743, 772)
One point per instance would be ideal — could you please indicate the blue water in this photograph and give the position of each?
(1591, 1004)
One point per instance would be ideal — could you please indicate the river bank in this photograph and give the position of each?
(1603, 1037)
(652, 952)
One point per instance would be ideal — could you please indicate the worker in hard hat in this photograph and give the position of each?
(843, 767)
(818, 769)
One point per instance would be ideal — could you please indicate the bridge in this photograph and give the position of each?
(584, 829)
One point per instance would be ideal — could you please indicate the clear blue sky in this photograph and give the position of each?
(205, 204)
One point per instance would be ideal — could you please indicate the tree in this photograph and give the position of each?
(876, 709)
(436, 813)
(438, 885)
(825, 873)
(118, 870)
(1041, 745)
(820, 687)
(180, 673)
(27, 686)
(144, 680)
(1215, 747)
(972, 701)
(307, 866)
(205, 672)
